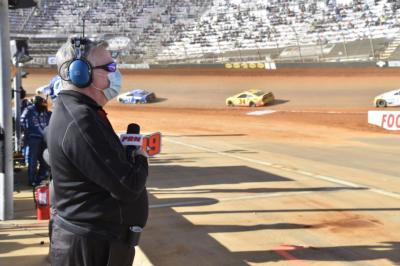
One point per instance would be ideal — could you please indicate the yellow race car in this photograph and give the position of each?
(250, 98)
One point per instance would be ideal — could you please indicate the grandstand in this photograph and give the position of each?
(199, 31)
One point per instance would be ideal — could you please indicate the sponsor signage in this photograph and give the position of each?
(394, 63)
(51, 60)
(270, 65)
(39, 61)
(151, 144)
(248, 65)
(131, 139)
(389, 120)
(134, 66)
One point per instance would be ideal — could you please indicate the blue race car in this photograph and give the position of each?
(136, 96)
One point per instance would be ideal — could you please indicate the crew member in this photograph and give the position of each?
(99, 193)
(34, 119)
(53, 88)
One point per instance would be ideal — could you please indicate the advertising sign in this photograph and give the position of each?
(151, 144)
(389, 120)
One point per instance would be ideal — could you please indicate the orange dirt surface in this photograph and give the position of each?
(310, 103)
(228, 188)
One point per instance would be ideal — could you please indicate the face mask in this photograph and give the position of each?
(114, 89)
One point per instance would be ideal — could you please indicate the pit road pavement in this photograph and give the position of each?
(225, 200)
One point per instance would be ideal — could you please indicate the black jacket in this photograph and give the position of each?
(95, 185)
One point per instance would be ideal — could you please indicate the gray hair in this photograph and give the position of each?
(67, 53)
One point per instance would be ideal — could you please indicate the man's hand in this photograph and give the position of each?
(138, 155)
(141, 152)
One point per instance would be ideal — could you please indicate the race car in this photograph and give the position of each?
(390, 98)
(252, 98)
(136, 96)
(52, 89)
(43, 90)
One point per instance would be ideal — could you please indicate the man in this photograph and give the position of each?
(52, 89)
(34, 119)
(99, 193)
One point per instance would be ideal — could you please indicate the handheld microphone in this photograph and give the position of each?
(133, 140)
(133, 128)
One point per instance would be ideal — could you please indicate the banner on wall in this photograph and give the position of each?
(393, 63)
(389, 120)
(51, 60)
(38, 61)
(134, 66)
(251, 65)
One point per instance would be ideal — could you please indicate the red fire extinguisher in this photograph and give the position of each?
(42, 200)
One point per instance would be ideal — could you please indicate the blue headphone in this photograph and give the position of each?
(78, 70)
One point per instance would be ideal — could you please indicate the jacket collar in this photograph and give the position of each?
(81, 97)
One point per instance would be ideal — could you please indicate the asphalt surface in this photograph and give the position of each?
(219, 205)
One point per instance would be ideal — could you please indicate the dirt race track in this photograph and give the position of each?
(311, 184)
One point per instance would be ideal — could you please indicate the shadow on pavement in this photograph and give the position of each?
(294, 210)
(9, 246)
(175, 176)
(253, 190)
(27, 260)
(386, 250)
(170, 238)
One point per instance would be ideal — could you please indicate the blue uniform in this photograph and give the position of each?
(33, 124)
(53, 88)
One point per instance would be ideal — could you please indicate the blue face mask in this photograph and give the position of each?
(114, 88)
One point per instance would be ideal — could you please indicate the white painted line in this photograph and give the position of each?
(320, 112)
(271, 195)
(181, 203)
(288, 169)
(219, 152)
(262, 112)
(327, 178)
(385, 193)
(267, 112)
(177, 190)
